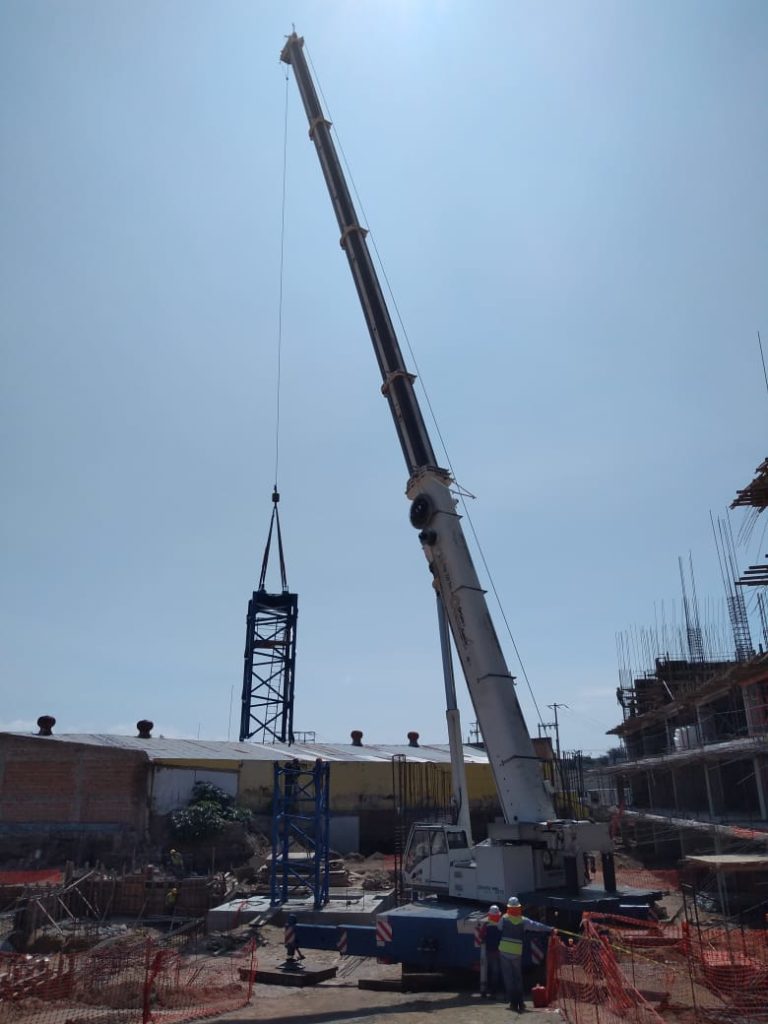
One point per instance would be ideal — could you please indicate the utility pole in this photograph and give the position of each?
(554, 708)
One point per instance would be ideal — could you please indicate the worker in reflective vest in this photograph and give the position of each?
(490, 962)
(513, 928)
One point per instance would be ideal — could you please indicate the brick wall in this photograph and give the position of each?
(47, 781)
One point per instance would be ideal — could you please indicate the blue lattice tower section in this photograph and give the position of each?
(300, 823)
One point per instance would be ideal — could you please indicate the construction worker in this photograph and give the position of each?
(513, 928)
(177, 863)
(490, 962)
(293, 953)
(171, 898)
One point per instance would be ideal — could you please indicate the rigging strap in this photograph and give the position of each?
(274, 522)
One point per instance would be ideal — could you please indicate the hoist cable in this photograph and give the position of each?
(281, 276)
(274, 521)
(420, 376)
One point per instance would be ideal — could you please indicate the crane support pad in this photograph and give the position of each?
(298, 977)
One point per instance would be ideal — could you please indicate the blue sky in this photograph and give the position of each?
(570, 203)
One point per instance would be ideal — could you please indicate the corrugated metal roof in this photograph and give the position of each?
(158, 748)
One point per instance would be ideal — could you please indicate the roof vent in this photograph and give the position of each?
(413, 739)
(45, 724)
(145, 728)
(357, 738)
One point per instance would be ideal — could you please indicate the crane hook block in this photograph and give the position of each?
(422, 510)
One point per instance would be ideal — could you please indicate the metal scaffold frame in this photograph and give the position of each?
(300, 826)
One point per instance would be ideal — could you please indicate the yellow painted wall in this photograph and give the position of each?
(355, 785)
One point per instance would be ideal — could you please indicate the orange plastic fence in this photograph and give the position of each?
(41, 876)
(585, 981)
(667, 879)
(130, 981)
(622, 970)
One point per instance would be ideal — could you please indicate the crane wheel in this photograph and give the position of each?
(422, 510)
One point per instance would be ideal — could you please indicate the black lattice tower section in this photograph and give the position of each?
(266, 713)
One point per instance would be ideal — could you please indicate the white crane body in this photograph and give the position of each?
(530, 850)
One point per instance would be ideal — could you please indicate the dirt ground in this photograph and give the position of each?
(340, 999)
(344, 1002)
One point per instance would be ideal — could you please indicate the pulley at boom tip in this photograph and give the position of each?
(291, 40)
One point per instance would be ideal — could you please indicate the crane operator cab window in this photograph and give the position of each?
(431, 849)
(457, 840)
(439, 843)
(418, 848)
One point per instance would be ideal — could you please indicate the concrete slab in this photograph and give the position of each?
(342, 908)
(360, 908)
(231, 915)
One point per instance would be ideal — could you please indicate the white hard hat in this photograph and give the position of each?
(513, 901)
(494, 909)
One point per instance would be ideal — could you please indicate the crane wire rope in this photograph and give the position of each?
(281, 282)
(461, 492)
(274, 522)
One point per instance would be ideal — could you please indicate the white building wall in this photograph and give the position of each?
(172, 787)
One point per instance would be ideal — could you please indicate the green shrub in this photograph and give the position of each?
(207, 813)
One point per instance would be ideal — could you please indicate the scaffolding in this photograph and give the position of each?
(422, 792)
(300, 826)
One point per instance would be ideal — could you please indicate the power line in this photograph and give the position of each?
(762, 359)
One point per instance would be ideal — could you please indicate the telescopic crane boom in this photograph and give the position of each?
(522, 795)
(433, 510)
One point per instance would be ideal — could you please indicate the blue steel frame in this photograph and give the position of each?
(300, 823)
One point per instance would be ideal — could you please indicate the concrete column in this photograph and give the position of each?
(717, 796)
(718, 844)
(681, 836)
(571, 875)
(757, 763)
(609, 872)
(699, 727)
(670, 735)
(674, 789)
(709, 792)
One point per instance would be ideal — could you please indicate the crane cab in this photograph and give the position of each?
(431, 852)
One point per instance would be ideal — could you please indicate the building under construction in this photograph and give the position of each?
(695, 726)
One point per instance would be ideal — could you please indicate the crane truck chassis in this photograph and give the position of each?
(530, 853)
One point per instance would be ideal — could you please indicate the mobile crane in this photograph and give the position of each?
(530, 853)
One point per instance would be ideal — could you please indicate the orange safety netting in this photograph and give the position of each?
(130, 981)
(623, 970)
(40, 876)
